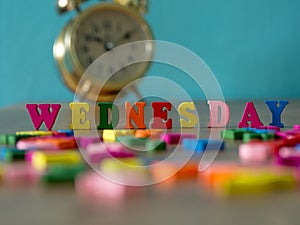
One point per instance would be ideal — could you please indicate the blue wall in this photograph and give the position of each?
(253, 47)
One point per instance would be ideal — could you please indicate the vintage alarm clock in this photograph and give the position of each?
(97, 30)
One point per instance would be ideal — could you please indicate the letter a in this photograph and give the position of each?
(250, 115)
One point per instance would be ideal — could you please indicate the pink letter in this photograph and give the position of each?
(214, 107)
(250, 115)
(45, 116)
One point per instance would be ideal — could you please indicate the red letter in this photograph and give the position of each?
(131, 114)
(250, 115)
(160, 116)
(45, 116)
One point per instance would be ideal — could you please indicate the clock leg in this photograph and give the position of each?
(136, 92)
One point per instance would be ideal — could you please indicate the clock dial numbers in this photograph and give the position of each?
(101, 33)
(118, 27)
(85, 49)
(107, 25)
(95, 29)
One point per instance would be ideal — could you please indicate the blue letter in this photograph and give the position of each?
(276, 112)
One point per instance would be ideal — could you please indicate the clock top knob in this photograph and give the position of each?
(140, 6)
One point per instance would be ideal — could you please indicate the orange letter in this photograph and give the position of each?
(137, 117)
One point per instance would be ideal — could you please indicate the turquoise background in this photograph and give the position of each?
(252, 46)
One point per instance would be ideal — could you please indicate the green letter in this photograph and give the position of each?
(103, 113)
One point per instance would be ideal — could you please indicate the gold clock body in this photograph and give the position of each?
(72, 58)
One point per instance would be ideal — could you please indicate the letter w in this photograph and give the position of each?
(44, 115)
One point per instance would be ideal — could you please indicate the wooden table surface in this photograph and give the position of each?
(186, 203)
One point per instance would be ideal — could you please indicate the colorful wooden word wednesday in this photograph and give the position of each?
(219, 115)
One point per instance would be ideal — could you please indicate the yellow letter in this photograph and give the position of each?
(79, 121)
(192, 118)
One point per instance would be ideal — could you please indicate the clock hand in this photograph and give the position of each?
(94, 38)
(98, 39)
(108, 45)
(126, 35)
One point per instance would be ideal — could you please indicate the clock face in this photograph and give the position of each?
(100, 31)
